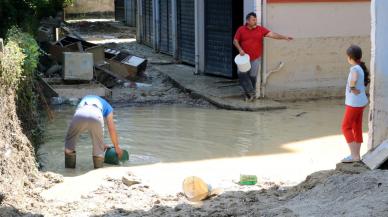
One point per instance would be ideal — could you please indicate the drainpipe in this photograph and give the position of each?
(174, 30)
(264, 60)
(267, 75)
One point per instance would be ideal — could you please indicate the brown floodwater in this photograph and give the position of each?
(176, 133)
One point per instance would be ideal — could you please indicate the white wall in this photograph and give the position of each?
(255, 6)
(305, 20)
(315, 63)
(378, 126)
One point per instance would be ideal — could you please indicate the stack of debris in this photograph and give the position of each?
(73, 67)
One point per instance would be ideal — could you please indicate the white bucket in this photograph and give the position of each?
(243, 63)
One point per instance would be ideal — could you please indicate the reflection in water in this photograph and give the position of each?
(177, 133)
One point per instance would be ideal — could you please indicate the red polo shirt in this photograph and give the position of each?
(251, 40)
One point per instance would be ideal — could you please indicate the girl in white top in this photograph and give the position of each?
(356, 100)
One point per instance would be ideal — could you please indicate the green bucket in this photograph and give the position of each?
(111, 156)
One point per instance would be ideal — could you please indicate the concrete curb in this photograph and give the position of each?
(224, 102)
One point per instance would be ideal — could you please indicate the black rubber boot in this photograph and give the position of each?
(70, 160)
(98, 162)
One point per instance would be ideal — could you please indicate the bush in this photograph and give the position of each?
(18, 67)
(27, 13)
(29, 47)
(11, 63)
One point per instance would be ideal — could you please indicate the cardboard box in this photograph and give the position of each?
(124, 64)
(70, 44)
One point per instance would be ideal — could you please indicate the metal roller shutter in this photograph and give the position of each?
(148, 26)
(186, 31)
(219, 37)
(165, 9)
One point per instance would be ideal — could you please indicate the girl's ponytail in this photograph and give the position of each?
(366, 73)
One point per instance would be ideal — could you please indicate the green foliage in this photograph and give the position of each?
(11, 63)
(18, 66)
(27, 13)
(29, 47)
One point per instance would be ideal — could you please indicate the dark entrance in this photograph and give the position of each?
(119, 10)
(222, 18)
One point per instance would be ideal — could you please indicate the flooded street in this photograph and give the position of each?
(177, 133)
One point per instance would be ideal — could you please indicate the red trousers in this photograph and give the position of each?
(352, 124)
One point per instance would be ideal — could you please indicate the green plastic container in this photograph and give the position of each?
(111, 156)
(248, 180)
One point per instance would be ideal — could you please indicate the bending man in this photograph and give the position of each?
(89, 116)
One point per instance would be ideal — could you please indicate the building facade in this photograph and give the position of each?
(200, 33)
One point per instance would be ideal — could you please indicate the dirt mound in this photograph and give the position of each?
(363, 194)
(17, 162)
(321, 177)
(20, 181)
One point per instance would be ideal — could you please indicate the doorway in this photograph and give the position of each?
(222, 18)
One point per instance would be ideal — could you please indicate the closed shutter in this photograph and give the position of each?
(186, 31)
(219, 37)
(165, 11)
(148, 32)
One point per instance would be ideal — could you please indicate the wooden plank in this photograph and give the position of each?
(81, 90)
(377, 157)
(47, 88)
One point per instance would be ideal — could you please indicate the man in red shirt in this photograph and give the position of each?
(249, 40)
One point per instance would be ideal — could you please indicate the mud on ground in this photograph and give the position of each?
(350, 190)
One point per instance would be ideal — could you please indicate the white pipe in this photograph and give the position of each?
(267, 75)
(264, 63)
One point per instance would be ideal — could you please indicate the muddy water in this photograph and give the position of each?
(178, 133)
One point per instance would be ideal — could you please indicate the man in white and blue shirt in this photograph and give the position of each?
(89, 117)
